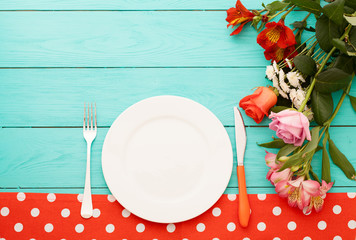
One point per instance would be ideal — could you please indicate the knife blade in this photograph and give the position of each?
(240, 135)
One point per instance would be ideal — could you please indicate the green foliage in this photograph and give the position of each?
(277, 109)
(339, 44)
(326, 31)
(353, 102)
(286, 150)
(334, 11)
(322, 106)
(341, 161)
(276, 143)
(305, 64)
(275, 6)
(325, 170)
(332, 80)
(309, 6)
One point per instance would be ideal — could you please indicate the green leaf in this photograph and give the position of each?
(308, 5)
(339, 44)
(353, 102)
(351, 4)
(276, 143)
(322, 106)
(348, 10)
(345, 63)
(325, 170)
(277, 109)
(351, 44)
(335, 11)
(299, 24)
(326, 30)
(313, 144)
(286, 150)
(294, 160)
(275, 6)
(305, 64)
(331, 80)
(341, 161)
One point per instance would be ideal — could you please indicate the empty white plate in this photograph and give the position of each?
(167, 159)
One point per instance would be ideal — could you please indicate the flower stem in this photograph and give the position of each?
(275, 15)
(285, 15)
(302, 106)
(328, 122)
(304, 20)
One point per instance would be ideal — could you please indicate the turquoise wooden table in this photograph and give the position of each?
(57, 54)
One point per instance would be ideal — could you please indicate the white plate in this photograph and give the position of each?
(167, 159)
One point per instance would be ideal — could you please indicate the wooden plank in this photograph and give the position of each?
(54, 158)
(127, 39)
(54, 97)
(124, 5)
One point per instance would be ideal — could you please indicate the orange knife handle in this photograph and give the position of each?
(244, 205)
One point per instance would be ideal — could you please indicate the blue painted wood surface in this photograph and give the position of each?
(116, 53)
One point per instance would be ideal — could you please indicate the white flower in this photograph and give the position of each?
(270, 72)
(293, 79)
(275, 66)
(300, 95)
(293, 94)
(289, 63)
(300, 77)
(276, 85)
(282, 83)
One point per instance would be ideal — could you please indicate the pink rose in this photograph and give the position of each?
(291, 126)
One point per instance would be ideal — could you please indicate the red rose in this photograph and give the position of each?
(239, 15)
(259, 103)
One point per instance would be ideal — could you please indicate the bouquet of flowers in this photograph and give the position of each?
(303, 76)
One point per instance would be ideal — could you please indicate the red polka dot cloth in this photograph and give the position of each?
(57, 216)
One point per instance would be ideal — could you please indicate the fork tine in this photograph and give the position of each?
(91, 116)
(87, 127)
(84, 118)
(95, 114)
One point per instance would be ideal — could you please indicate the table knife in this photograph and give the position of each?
(240, 135)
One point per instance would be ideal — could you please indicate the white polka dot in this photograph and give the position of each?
(35, 212)
(111, 198)
(21, 196)
(307, 238)
(246, 238)
(276, 238)
(322, 225)
(351, 194)
(65, 212)
(2, 239)
(261, 196)
(171, 227)
(79, 228)
(337, 209)
(96, 213)
(261, 226)
(277, 211)
(125, 213)
(213, 239)
(216, 212)
(4, 211)
(51, 197)
(48, 227)
(32, 239)
(80, 197)
(18, 227)
(140, 227)
(351, 224)
(231, 227)
(292, 226)
(200, 227)
(337, 238)
(188, 239)
(231, 197)
(109, 228)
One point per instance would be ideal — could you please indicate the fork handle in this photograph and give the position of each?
(87, 204)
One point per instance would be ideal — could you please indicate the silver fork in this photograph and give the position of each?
(89, 133)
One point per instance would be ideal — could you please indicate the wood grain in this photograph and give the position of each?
(127, 39)
(55, 97)
(124, 4)
(52, 158)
